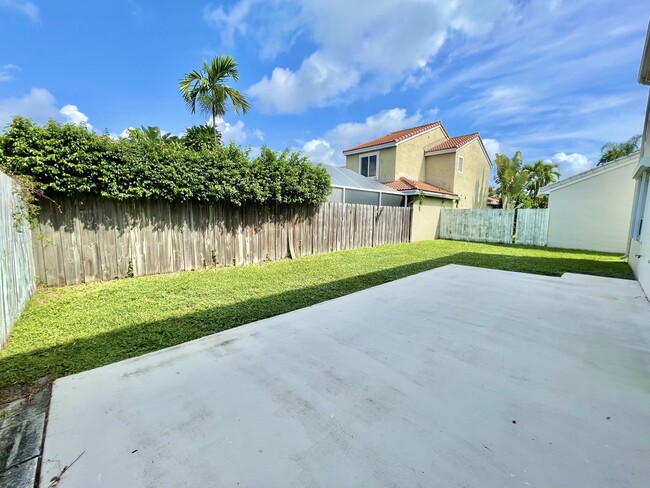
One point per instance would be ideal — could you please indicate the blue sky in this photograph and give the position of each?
(555, 79)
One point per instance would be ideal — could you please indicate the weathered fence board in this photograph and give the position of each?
(16, 261)
(507, 226)
(101, 239)
(477, 225)
(532, 226)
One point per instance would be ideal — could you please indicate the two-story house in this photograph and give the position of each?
(430, 168)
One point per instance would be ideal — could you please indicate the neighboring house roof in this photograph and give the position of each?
(394, 138)
(407, 185)
(455, 143)
(493, 201)
(346, 178)
(598, 170)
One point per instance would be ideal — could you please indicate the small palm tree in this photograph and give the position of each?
(511, 178)
(206, 90)
(614, 150)
(540, 174)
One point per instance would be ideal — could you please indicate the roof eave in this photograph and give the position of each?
(442, 151)
(644, 166)
(644, 69)
(590, 173)
(454, 149)
(350, 152)
(429, 194)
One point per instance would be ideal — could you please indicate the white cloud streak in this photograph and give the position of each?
(354, 58)
(8, 72)
(26, 8)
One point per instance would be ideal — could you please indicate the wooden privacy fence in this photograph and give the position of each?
(532, 226)
(477, 225)
(507, 226)
(101, 239)
(16, 263)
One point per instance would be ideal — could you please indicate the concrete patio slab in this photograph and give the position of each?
(454, 377)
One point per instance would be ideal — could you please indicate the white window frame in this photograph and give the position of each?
(368, 155)
(460, 165)
(640, 205)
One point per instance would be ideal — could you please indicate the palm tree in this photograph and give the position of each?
(614, 150)
(540, 174)
(205, 88)
(511, 177)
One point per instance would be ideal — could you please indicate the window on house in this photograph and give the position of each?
(369, 165)
(461, 163)
(640, 205)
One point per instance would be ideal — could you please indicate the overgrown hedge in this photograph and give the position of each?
(70, 160)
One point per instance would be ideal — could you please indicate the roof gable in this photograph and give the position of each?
(455, 143)
(394, 138)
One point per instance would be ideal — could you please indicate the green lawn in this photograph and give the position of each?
(67, 330)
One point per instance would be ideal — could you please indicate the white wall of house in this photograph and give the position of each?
(639, 257)
(639, 250)
(592, 210)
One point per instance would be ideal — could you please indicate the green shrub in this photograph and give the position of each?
(68, 159)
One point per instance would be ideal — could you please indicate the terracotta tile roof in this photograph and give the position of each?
(396, 136)
(453, 143)
(493, 201)
(408, 184)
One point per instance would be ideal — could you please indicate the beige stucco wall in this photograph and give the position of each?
(410, 154)
(386, 163)
(593, 213)
(441, 170)
(472, 184)
(426, 218)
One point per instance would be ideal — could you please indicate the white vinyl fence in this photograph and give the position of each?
(477, 225)
(16, 261)
(532, 226)
(497, 226)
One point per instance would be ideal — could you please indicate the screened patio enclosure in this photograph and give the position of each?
(351, 187)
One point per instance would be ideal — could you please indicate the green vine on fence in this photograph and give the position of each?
(66, 159)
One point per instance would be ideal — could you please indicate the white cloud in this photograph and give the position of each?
(318, 82)
(8, 72)
(231, 22)
(72, 115)
(125, 133)
(274, 25)
(232, 132)
(258, 134)
(571, 164)
(40, 106)
(28, 9)
(328, 148)
(492, 146)
(362, 47)
(320, 151)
